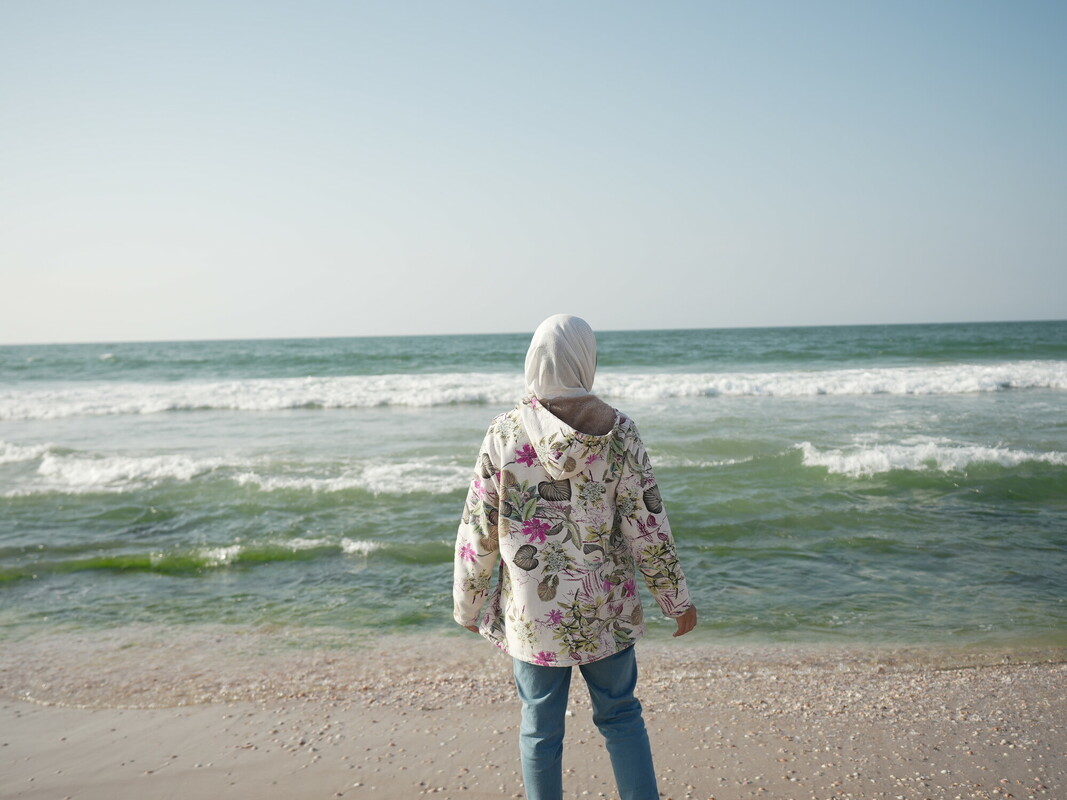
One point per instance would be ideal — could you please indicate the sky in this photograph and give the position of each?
(219, 170)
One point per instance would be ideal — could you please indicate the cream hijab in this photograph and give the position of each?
(561, 360)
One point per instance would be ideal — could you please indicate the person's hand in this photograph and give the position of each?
(471, 628)
(686, 622)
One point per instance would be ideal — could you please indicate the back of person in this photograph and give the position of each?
(565, 497)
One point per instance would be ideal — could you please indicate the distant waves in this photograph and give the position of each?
(272, 394)
(427, 390)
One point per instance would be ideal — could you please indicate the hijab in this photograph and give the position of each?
(561, 360)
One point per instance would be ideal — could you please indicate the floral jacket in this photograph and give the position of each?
(572, 518)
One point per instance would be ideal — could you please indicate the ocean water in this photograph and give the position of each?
(896, 484)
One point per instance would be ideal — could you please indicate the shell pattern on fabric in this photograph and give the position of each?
(556, 491)
(653, 502)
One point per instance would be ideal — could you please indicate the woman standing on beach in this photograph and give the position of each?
(565, 497)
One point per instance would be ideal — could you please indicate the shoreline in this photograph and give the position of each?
(142, 666)
(133, 714)
(148, 666)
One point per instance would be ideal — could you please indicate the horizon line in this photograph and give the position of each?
(515, 333)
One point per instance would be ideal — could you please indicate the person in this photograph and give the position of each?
(564, 497)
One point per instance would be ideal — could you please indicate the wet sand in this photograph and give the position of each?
(217, 714)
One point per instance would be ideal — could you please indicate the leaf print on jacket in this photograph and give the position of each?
(572, 519)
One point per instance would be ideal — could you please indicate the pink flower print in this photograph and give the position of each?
(467, 553)
(545, 658)
(526, 456)
(629, 588)
(607, 585)
(555, 617)
(592, 458)
(480, 490)
(535, 529)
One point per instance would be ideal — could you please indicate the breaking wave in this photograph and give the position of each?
(388, 478)
(864, 460)
(14, 453)
(426, 390)
(194, 560)
(83, 473)
(79, 473)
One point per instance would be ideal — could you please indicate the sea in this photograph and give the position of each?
(902, 484)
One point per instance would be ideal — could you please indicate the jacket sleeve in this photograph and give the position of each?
(477, 543)
(644, 525)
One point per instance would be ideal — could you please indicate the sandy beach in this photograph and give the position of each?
(136, 714)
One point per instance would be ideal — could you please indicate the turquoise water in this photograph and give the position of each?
(877, 483)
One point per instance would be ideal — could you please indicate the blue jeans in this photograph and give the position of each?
(616, 712)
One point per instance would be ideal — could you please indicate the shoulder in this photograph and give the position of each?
(627, 427)
(504, 427)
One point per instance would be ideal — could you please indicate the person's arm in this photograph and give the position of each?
(644, 524)
(477, 545)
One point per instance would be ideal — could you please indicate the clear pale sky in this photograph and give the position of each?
(193, 170)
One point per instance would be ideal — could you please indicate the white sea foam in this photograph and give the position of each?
(301, 543)
(955, 379)
(259, 395)
(667, 462)
(402, 478)
(864, 460)
(387, 478)
(275, 483)
(14, 453)
(219, 556)
(424, 390)
(81, 472)
(359, 547)
(224, 555)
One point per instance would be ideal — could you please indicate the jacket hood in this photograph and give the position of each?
(562, 450)
(561, 361)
